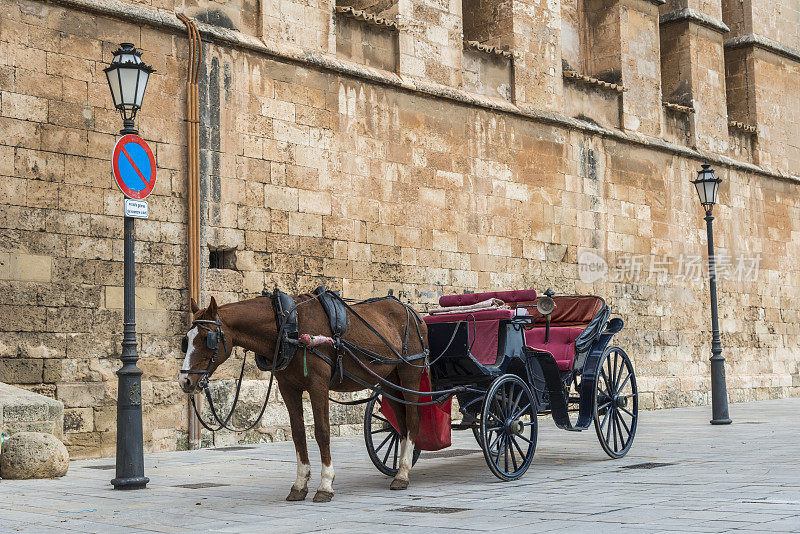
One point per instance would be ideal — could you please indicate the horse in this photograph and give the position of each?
(252, 325)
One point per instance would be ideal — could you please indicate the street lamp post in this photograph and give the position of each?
(127, 78)
(707, 186)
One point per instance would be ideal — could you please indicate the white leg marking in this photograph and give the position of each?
(303, 475)
(327, 478)
(406, 458)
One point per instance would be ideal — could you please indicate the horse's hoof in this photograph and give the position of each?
(399, 484)
(297, 495)
(323, 496)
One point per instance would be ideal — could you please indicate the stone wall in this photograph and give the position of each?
(318, 170)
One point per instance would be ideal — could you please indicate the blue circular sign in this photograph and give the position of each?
(134, 167)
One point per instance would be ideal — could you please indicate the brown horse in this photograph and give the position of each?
(251, 324)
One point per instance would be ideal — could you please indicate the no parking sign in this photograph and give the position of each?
(134, 167)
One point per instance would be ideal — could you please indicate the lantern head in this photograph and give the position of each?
(707, 186)
(127, 78)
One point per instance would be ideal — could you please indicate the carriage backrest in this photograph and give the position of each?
(570, 310)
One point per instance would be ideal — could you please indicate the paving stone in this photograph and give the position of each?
(571, 486)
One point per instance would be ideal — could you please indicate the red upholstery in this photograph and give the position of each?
(509, 297)
(483, 328)
(570, 310)
(486, 315)
(561, 343)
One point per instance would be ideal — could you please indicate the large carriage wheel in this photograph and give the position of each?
(383, 441)
(616, 407)
(508, 427)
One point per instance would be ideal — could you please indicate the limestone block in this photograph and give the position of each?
(33, 455)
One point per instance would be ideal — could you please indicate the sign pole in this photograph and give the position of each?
(130, 436)
(134, 170)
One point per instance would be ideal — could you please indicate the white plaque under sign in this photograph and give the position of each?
(136, 208)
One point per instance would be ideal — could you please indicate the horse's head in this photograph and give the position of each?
(206, 346)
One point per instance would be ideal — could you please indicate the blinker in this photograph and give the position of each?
(212, 340)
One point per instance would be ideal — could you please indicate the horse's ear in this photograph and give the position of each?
(193, 305)
(212, 308)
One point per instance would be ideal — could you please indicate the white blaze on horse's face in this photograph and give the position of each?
(183, 378)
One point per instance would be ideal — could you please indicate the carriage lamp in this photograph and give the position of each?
(127, 78)
(707, 186)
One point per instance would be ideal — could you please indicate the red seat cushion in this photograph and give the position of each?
(561, 343)
(509, 297)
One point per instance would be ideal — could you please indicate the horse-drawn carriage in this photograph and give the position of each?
(514, 356)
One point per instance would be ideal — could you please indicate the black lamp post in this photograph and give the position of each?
(127, 78)
(707, 186)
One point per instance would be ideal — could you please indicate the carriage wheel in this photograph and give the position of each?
(616, 407)
(508, 427)
(383, 441)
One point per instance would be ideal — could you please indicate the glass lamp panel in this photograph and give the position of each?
(113, 83)
(144, 76)
(711, 191)
(128, 78)
(701, 191)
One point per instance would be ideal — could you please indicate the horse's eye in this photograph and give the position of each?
(184, 344)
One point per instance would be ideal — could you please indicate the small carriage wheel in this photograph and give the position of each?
(616, 406)
(383, 441)
(509, 427)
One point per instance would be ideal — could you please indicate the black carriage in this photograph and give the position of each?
(514, 356)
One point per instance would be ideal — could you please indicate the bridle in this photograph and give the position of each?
(212, 342)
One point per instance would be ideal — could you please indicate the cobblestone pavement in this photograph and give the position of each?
(740, 477)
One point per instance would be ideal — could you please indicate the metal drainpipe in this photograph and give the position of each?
(193, 191)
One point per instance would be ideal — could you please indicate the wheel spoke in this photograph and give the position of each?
(387, 438)
(500, 413)
(513, 456)
(396, 453)
(614, 428)
(380, 431)
(619, 431)
(603, 422)
(615, 369)
(514, 441)
(526, 439)
(626, 411)
(605, 379)
(520, 412)
(607, 404)
(378, 417)
(389, 449)
(516, 402)
(491, 446)
(620, 388)
(624, 424)
(505, 454)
